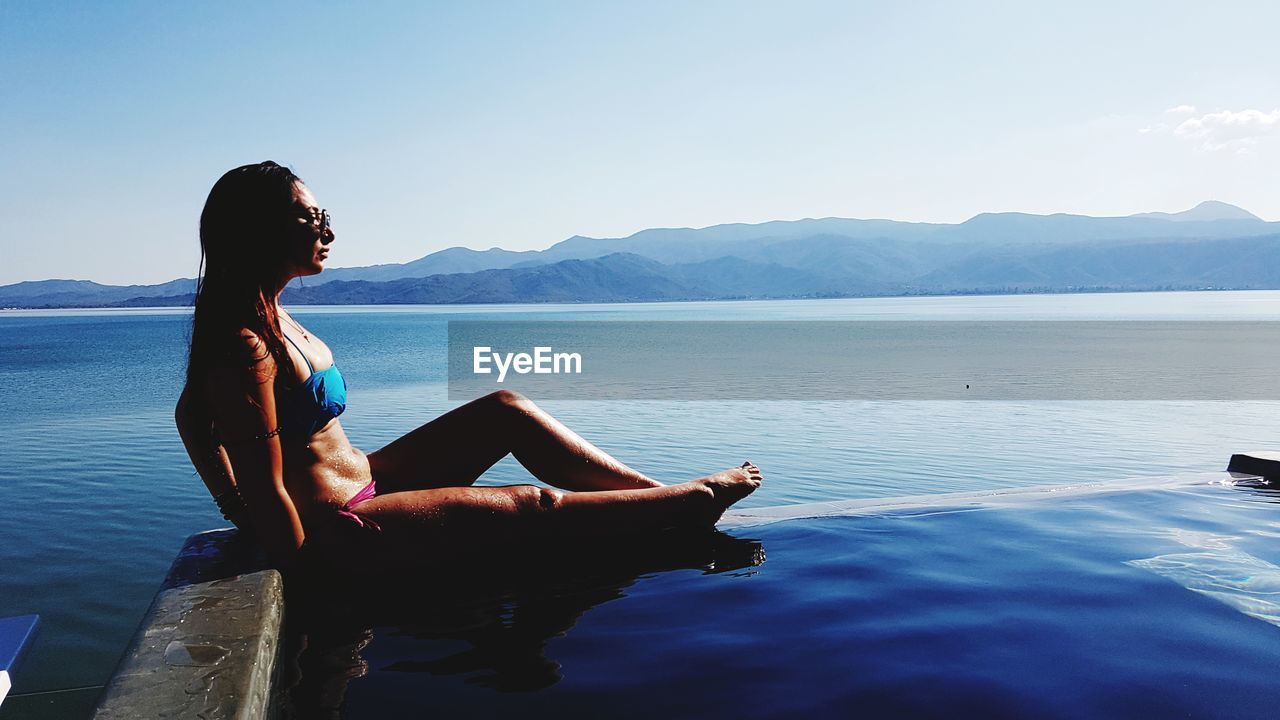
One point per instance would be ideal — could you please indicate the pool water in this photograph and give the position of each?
(1129, 600)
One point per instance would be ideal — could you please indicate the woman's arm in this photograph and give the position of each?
(195, 427)
(244, 410)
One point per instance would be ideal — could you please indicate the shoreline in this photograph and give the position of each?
(355, 307)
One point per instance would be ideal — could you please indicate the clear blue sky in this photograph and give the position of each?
(423, 126)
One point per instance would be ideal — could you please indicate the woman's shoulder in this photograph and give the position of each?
(243, 349)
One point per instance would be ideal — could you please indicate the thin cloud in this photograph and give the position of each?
(1228, 129)
(1181, 110)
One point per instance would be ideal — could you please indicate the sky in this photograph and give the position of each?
(422, 126)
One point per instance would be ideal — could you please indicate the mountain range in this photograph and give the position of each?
(1213, 245)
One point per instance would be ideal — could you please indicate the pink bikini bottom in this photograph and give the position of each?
(348, 510)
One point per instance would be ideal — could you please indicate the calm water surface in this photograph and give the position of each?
(99, 496)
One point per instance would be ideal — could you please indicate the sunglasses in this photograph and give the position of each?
(325, 221)
(322, 221)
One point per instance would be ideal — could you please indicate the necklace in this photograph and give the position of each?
(294, 323)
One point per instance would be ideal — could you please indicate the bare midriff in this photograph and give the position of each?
(323, 472)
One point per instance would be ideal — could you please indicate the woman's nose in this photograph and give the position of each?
(327, 236)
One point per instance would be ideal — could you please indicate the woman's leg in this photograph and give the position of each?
(442, 518)
(457, 447)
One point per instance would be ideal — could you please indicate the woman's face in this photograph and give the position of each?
(310, 234)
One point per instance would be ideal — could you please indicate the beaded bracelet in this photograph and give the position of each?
(268, 435)
(264, 436)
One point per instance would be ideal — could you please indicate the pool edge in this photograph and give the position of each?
(210, 643)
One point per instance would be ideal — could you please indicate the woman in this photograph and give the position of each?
(258, 416)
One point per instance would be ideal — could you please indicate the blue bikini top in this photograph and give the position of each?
(306, 409)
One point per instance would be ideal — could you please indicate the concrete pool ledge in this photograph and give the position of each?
(209, 646)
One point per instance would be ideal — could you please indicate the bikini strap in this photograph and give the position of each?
(304, 355)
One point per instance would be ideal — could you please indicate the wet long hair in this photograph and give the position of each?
(244, 244)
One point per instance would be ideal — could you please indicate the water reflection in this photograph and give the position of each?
(492, 611)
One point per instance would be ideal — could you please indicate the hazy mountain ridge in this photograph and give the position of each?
(1207, 210)
(1212, 245)
(450, 260)
(74, 293)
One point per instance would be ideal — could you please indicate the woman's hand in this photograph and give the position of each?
(233, 509)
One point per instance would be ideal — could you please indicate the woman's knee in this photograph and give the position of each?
(509, 404)
(533, 500)
(507, 398)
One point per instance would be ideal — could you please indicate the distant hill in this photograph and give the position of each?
(1207, 210)
(1211, 245)
(451, 260)
(83, 293)
(1240, 263)
(679, 245)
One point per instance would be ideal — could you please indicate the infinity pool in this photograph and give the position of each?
(1149, 598)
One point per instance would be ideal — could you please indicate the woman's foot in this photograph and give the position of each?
(730, 486)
